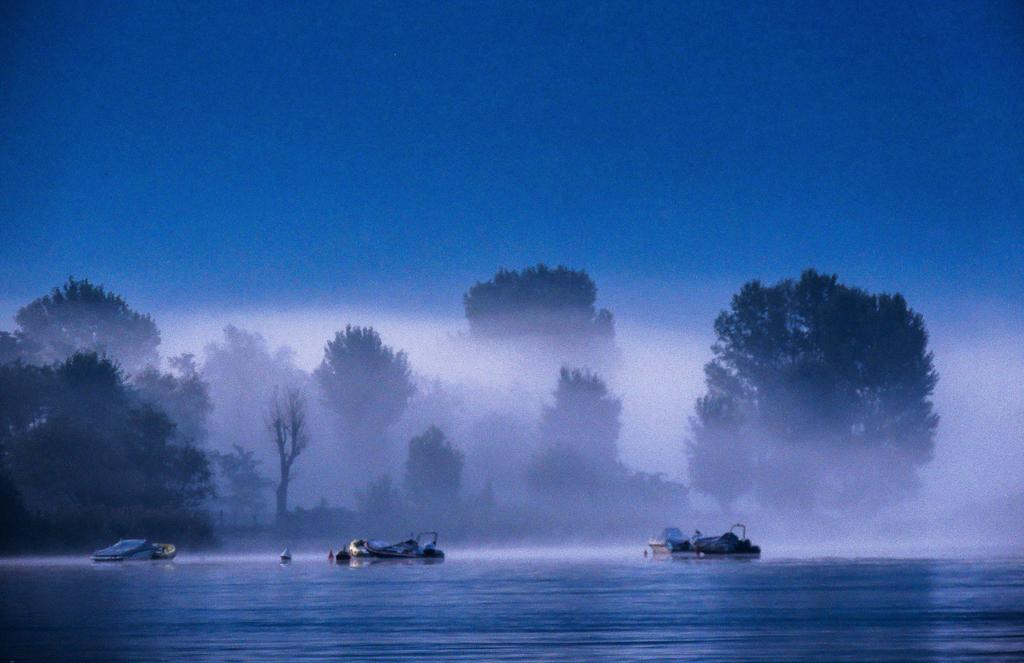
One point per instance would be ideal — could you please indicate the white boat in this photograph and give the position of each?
(134, 550)
(671, 540)
(411, 548)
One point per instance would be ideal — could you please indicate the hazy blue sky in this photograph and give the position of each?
(245, 154)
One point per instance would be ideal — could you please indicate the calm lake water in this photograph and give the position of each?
(510, 605)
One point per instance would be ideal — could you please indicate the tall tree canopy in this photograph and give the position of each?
(537, 301)
(433, 472)
(242, 373)
(182, 394)
(82, 317)
(366, 384)
(816, 391)
(96, 446)
(244, 488)
(579, 433)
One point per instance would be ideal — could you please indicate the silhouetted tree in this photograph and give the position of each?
(814, 385)
(578, 434)
(82, 317)
(367, 386)
(241, 372)
(15, 347)
(245, 486)
(433, 472)
(585, 416)
(26, 391)
(537, 301)
(96, 447)
(288, 425)
(182, 394)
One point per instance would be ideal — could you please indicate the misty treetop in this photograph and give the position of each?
(585, 417)
(80, 316)
(182, 394)
(814, 369)
(366, 384)
(244, 492)
(537, 301)
(433, 471)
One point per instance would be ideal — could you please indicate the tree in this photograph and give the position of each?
(537, 301)
(245, 485)
(578, 434)
(367, 386)
(433, 472)
(182, 394)
(814, 385)
(241, 372)
(82, 317)
(95, 447)
(288, 425)
(585, 417)
(26, 391)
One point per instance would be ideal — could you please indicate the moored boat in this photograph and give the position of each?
(726, 544)
(411, 548)
(134, 550)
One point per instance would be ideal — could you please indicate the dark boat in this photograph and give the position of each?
(726, 544)
(411, 548)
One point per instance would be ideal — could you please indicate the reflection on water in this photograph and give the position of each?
(495, 605)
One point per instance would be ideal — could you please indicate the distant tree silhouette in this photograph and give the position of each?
(97, 447)
(816, 388)
(82, 317)
(579, 433)
(242, 372)
(288, 425)
(433, 472)
(15, 347)
(245, 488)
(367, 386)
(26, 392)
(182, 394)
(537, 301)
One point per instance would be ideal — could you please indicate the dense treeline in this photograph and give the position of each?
(813, 384)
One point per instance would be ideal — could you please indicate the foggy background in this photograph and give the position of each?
(256, 180)
(972, 487)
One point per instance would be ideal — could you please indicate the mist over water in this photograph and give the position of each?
(489, 401)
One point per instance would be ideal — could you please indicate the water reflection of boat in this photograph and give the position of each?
(411, 548)
(670, 541)
(134, 550)
(360, 562)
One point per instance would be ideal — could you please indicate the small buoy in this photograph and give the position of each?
(645, 552)
(330, 555)
(286, 556)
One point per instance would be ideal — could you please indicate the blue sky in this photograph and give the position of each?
(219, 154)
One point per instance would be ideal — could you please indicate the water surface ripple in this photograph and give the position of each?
(517, 606)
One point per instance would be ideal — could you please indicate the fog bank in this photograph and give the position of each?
(973, 484)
